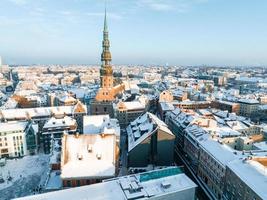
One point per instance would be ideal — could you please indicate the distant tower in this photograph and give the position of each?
(106, 91)
(1, 61)
(106, 71)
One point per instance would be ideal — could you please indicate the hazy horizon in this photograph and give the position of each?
(149, 32)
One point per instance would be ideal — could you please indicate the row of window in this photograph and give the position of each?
(5, 133)
(1, 145)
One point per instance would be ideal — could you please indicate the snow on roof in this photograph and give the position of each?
(60, 122)
(143, 127)
(221, 152)
(13, 126)
(261, 145)
(226, 132)
(54, 181)
(252, 173)
(204, 112)
(227, 102)
(10, 104)
(79, 92)
(222, 114)
(100, 191)
(96, 124)
(23, 113)
(236, 125)
(219, 120)
(122, 188)
(91, 156)
(134, 105)
(166, 106)
(249, 101)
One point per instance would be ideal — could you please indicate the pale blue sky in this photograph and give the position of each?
(181, 32)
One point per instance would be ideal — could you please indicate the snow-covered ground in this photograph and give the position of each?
(26, 174)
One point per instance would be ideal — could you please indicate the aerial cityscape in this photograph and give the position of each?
(165, 127)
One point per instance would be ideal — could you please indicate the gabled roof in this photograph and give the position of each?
(143, 127)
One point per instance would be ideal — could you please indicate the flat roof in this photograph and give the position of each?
(126, 187)
(252, 173)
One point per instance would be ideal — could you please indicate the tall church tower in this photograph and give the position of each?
(106, 72)
(107, 93)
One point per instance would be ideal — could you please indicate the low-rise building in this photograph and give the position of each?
(101, 124)
(88, 159)
(54, 129)
(248, 107)
(17, 139)
(231, 107)
(127, 112)
(193, 105)
(165, 107)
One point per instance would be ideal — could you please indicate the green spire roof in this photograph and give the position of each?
(105, 22)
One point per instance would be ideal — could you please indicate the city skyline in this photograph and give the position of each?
(46, 33)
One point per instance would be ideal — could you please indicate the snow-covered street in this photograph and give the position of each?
(26, 174)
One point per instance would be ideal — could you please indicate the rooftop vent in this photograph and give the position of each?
(98, 155)
(90, 148)
(79, 156)
(165, 184)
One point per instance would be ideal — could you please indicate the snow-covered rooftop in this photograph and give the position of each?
(97, 124)
(252, 173)
(261, 145)
(221, 152)
(133, 105)
(125, 188)
(143, 127)
(24, 113)
(165, 106)
(236, 125)
(88, 156)
(60, 122)
(13, 126)
(249, 101)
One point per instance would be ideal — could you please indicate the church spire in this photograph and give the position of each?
(105, 20)
(106, 68)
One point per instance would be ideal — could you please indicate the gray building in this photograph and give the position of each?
(149, 142)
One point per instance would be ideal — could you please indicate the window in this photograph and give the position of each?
(78, 183)
(68, 183)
